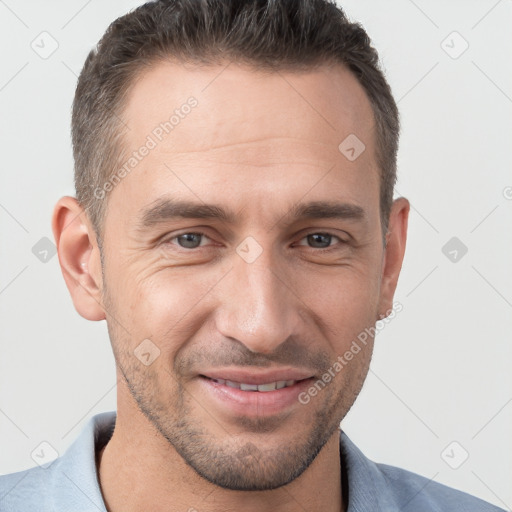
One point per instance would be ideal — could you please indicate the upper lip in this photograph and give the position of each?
(257, 377)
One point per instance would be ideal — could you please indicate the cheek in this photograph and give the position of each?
(347, 308)
(168, 306)
(345, 300)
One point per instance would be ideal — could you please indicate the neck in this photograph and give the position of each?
(139, 470)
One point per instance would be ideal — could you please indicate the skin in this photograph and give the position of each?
(257, 143)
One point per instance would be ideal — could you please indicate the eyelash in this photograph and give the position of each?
(316, 249)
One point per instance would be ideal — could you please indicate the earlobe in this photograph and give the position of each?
(79, 257)
(393, 254)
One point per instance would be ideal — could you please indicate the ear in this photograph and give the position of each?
(393, 254)
(79, 257)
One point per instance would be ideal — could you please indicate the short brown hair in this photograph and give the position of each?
(269, 34)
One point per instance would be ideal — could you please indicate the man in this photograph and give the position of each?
(235, 227)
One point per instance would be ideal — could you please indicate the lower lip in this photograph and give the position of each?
(254, 403)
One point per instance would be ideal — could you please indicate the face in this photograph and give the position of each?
(224, 312)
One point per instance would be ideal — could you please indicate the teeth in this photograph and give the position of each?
(249, 387)
(269, 386)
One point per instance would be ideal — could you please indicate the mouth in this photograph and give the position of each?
(254, 395)
(262, 388)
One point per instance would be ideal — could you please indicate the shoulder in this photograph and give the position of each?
(25, 490)
(70, 482)
(413, 492)
(384, 488)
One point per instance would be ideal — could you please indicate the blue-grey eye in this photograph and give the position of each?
(189, 240)
(318, 240)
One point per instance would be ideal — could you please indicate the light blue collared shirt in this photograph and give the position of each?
(70, 483)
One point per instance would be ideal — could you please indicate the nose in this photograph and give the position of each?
(257, 304)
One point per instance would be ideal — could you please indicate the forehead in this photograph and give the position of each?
(235, 102)
(256, 131)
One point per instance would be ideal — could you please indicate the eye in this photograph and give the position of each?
(321, 240)
(188, 240)
(193, 240)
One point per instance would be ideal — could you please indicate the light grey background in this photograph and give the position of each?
(441, 369)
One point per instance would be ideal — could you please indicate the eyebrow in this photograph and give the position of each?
(166, 209)
(327, 210)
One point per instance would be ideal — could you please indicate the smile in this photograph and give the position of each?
(254, 395)
(268, 386)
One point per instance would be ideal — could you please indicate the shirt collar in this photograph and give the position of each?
(75, 477)
(367, 486)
